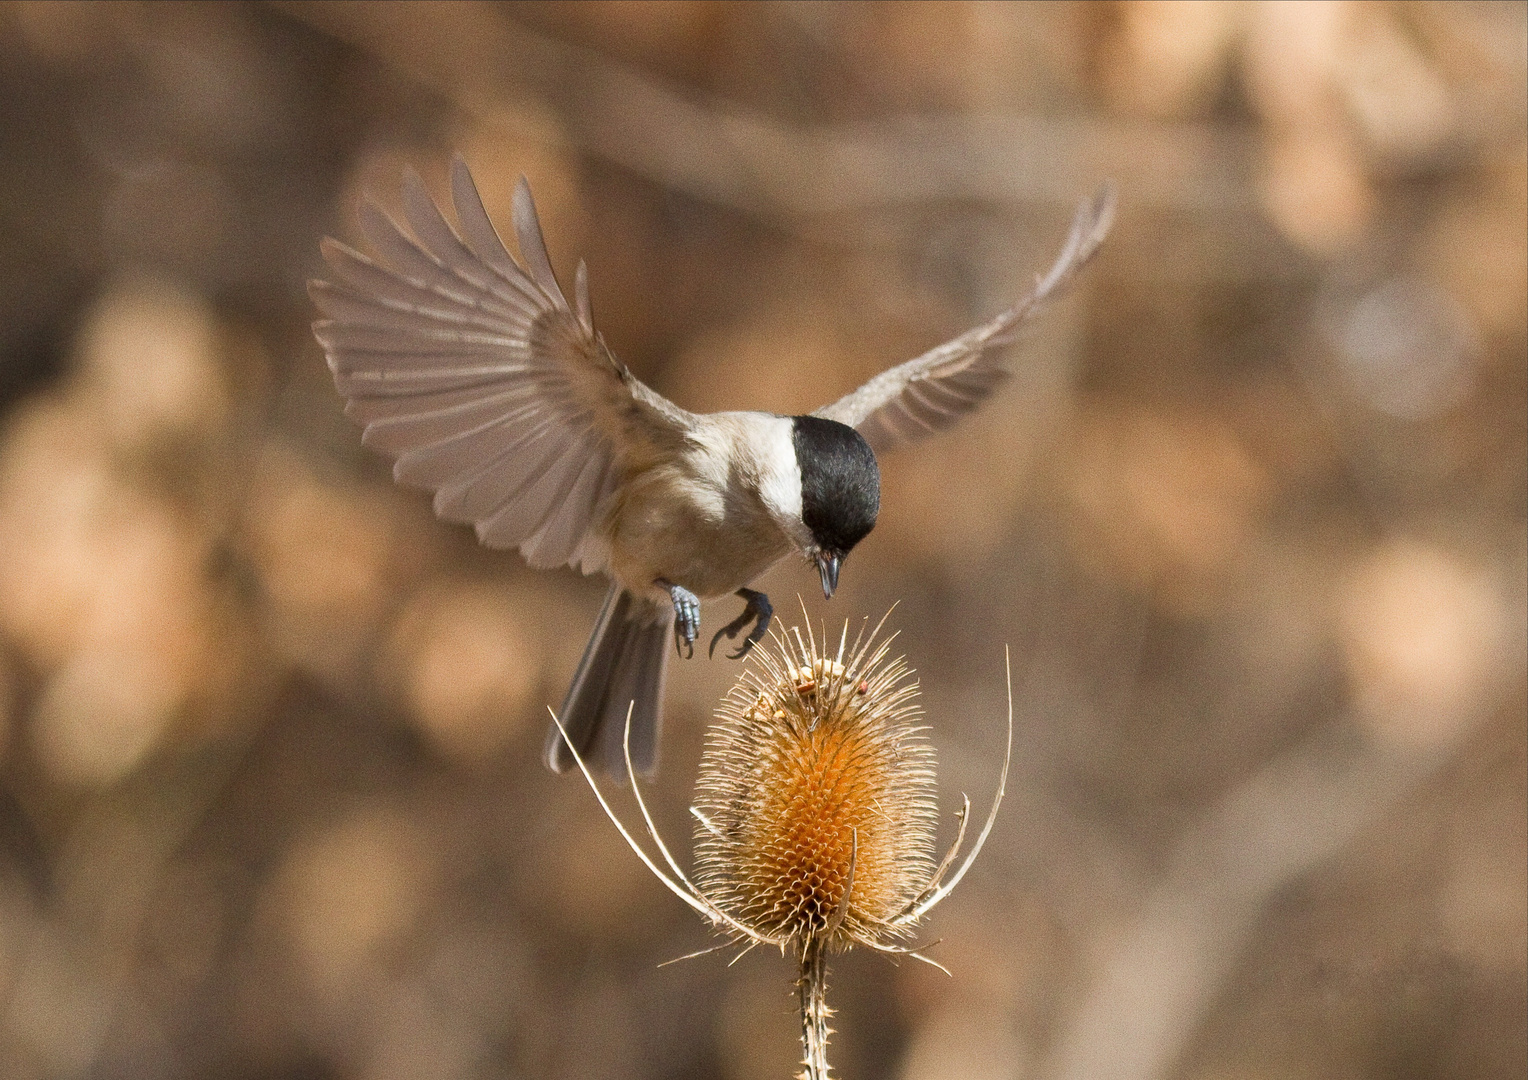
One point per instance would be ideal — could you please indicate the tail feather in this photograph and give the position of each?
(622, 667)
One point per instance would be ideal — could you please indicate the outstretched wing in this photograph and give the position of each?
(930, 393)
(475, 373)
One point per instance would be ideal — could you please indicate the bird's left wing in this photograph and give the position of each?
(480, 378)
(931, 392)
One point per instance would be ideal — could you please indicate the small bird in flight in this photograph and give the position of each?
(495, 393)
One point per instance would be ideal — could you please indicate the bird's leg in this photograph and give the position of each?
(686, 616)
(758, 607)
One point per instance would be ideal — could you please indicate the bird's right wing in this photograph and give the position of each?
(932, 391)
(477, 375)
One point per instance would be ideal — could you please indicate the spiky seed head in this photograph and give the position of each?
(816, 764)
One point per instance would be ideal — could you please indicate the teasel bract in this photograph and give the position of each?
(816, 812)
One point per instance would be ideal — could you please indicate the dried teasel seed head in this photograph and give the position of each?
(816, 797)
(816, 812)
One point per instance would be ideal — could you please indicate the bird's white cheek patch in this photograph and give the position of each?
(780, 481)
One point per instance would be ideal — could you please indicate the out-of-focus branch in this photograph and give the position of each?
(1158, 978)
(474, 56)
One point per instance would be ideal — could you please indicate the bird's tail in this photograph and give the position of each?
(623, 666)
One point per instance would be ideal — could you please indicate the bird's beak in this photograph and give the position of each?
(827, 566)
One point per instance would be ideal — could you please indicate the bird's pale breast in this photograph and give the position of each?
(701, 520)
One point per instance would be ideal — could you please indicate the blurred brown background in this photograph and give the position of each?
(1251, 515)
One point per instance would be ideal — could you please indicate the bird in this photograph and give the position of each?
(474, 372)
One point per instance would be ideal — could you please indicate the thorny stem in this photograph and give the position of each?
(814, 1011)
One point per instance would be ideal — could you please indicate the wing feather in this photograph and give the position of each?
(421, 270)
(528, 509)
(533, 247)
(483, 493)
(931, 392)
(393, 406)
(556, 541)
(474, 372)
(401, 315)
(478, 412)
(503, 448)
(581, 297)
(368, 277)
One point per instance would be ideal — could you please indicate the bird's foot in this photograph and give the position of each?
(759, 608)
(686, 616)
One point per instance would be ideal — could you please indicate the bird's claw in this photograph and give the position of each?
(686, 617)
(758, 608)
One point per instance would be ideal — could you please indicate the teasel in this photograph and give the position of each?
(815, 810)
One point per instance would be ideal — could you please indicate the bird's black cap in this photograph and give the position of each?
(840, 482)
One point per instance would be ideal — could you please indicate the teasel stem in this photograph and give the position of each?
(814, 1010)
